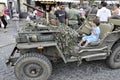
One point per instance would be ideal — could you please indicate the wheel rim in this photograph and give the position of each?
(33, 70)
(117, 57)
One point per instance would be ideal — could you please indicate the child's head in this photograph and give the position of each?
(96, 22)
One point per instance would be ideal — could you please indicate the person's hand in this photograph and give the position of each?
(94, 32)
(86, 25)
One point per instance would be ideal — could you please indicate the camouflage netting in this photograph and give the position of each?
(66, 38)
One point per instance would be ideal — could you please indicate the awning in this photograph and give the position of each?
(47, 2)
(72, 1)
(68, 1)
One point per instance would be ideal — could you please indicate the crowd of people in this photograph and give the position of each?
(34, 14)
(74, 12)
(103, 15)
(71, 17)
(59, 13)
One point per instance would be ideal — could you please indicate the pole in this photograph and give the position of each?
(81, 1)
(10, 3)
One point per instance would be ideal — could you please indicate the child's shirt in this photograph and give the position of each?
(97, 31)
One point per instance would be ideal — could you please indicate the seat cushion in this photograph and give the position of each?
(105, 28)
(115, 21)
(95, 43)
(86, 30)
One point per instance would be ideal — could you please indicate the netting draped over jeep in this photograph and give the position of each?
(66, 38)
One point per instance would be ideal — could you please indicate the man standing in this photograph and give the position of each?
(94, 9)
(74, 16)
(61, 14)
(104, 14)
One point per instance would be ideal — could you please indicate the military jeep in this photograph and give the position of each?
(37, 45)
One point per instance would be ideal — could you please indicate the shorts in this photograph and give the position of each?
(89, 39)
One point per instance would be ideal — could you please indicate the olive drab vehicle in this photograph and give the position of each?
(37, 45)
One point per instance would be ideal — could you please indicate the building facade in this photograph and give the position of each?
(16, 6)
(3, 4)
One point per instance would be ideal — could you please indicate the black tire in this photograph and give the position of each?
(113, 60)
(33, 67)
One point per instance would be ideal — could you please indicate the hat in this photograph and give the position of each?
(94, 4)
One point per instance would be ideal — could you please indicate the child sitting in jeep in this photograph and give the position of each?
(95, 32)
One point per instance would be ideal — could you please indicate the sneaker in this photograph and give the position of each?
(4, 30)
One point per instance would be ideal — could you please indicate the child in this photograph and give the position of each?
(95, 32)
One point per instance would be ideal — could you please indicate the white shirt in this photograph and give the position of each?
(119, 13)
(103, 14)
(34, 12)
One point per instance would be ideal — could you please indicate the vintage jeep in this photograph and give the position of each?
(37, 45)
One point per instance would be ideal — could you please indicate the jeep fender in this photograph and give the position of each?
(23, 46)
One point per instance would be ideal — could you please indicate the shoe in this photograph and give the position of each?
(4, 30)
(82, 46)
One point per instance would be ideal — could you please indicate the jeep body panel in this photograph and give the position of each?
(49, 48)
(110, 39)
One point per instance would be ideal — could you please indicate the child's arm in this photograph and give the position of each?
(94, 32)
(90, 28)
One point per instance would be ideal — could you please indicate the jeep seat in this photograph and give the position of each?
(86, 31)
(114, 21)
(104, 29)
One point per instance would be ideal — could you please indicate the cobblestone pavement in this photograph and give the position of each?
(95, 70)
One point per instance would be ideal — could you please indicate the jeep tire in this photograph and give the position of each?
(114, 59)
(33, 67)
